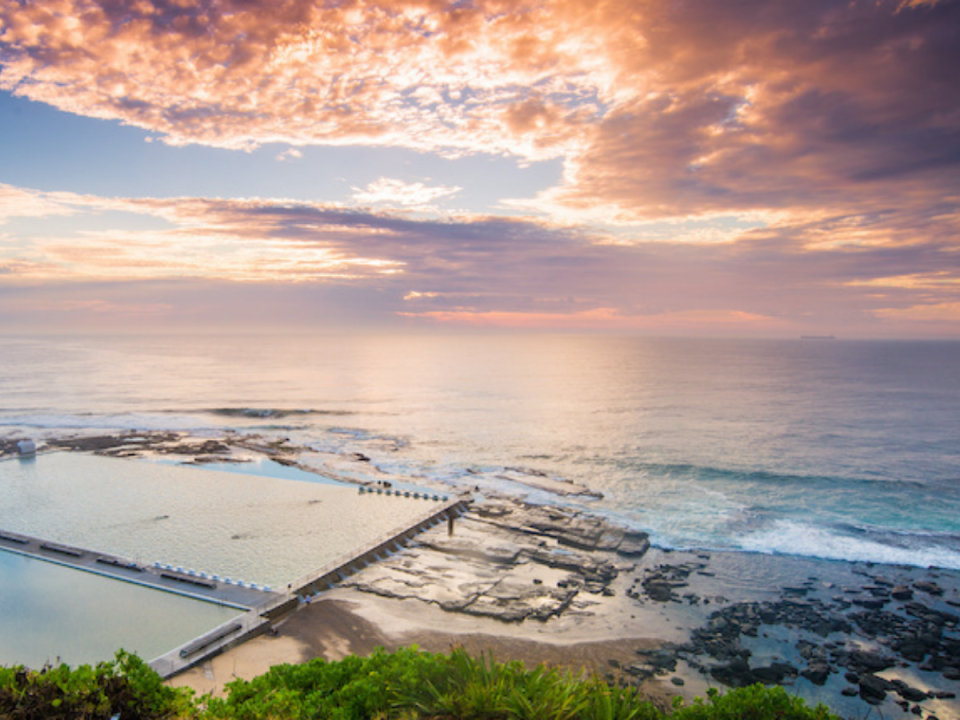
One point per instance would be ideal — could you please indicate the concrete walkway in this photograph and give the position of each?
(156, 577)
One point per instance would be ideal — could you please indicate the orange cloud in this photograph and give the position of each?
(238, 73)
(659, 109)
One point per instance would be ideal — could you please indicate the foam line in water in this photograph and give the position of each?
(795, 538)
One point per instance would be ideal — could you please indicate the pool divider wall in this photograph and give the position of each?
(155, 577)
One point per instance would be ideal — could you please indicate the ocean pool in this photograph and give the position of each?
(258, 529)
(50, 614)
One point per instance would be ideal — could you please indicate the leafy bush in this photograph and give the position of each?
(405, 685)
(755, 702)
(411, 684)
(126, 685)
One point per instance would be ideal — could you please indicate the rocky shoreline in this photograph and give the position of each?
(854, 636)
(857, 638)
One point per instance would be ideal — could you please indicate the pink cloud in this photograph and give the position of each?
(865, 274)
(658, 108)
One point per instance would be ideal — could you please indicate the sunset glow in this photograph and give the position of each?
(764, 167)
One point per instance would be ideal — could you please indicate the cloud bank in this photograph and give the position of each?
(837, 124)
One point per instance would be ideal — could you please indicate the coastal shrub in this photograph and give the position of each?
(413, 684)
(754, 702)
(355, 687)
(126, 686)
(403, 685)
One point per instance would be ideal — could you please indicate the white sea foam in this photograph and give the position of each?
(790, 537)
(119, 421)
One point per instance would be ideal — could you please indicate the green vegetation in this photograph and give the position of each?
(407, 684)
(127, 686)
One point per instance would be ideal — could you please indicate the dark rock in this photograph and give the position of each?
(937, 617)
(663, 659)
(658, 591)
(869, 661)
(852, 677)
(817, 672)
(850, 691)
(735, 674)
(929, 587)
(873, 689)
(901, 592)
(774, 673)
(911, 694)
(678, 681)
(945, 695)
(916, 710)
(912, 650)
(641, 672)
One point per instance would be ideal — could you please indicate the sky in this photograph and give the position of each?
(750, 168)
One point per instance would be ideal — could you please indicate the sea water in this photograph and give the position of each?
(51, 614)
(846, 450)
(255, 529)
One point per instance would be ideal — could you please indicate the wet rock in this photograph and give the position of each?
(870, 603)
(912, 650)
(873, 689)
(678, 681)
(869, 662)
(912, 694)
(663, 660)
(641, 672)
(774, 673)
(901, 592)
(929, 587)
(734, 674)
(930, 615)
(659, 591)
(634, 544)
(817, 672)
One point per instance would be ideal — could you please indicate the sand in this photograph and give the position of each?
(347, 622)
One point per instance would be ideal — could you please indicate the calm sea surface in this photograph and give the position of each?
(828, 449)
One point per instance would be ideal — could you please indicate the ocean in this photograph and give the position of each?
(833, 449)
